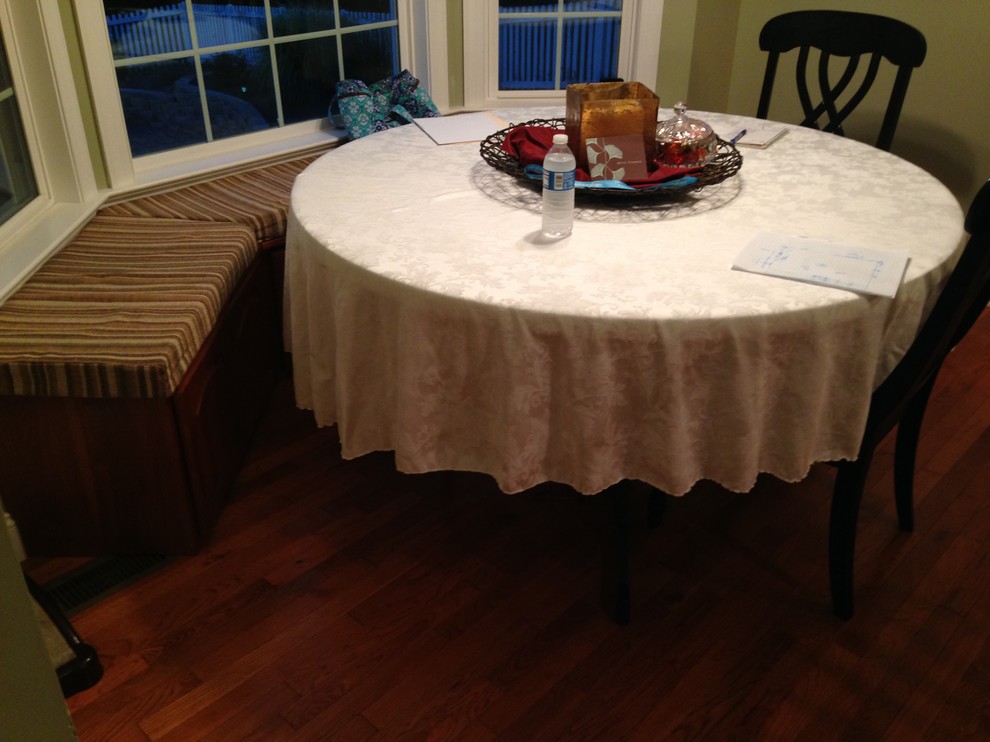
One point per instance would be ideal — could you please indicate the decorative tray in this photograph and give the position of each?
(722, 166)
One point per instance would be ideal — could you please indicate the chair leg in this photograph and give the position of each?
(846, 497)
(905, 455)
(79, 667)
(657, 507)
(620, 496)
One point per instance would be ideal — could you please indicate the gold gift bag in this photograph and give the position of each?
(608, 109)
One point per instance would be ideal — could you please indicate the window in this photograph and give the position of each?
(546, 46)
(195, 71)
(55, 145)
(525, 51)
(17, 185)
(190, 87)
(46, 165)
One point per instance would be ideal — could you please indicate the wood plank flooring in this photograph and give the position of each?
(340, 600)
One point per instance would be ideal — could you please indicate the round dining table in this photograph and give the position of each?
(425, 314)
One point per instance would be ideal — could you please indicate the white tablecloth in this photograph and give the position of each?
(424, 315)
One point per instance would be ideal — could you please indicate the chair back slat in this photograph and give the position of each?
(844, 34)
(830, 94)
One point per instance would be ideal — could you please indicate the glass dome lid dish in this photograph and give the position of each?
(683, 141)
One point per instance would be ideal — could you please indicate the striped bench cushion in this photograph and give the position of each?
(122, 310)
(258, 198)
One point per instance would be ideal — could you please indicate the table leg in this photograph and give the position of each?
(620, 496)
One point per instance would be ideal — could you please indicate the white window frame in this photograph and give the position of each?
(417, 20)
(56, 138)
(639, 54)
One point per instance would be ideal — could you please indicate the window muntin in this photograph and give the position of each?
(51, 140)
(195, 72)
(17, 183)
(546, 46)
(635, 22)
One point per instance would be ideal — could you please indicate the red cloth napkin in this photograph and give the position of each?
(529, 145)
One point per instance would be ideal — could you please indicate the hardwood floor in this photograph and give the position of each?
(344, 601)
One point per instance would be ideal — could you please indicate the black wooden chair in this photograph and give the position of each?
(902, 398)
(899, 401)
(837, 33)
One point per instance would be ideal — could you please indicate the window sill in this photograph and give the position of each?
(47, 228)
(155, 174)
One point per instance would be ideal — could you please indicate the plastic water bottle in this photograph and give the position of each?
(558, 189)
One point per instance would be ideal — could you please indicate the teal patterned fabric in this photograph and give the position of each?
(364, 109)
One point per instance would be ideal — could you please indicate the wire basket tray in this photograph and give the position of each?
(722, 166)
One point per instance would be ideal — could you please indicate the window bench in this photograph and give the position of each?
(136, 364)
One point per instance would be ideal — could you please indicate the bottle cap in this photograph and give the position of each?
(560, 139)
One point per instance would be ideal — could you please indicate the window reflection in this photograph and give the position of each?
(307, 75)
(370, 55)
(162, 107)
(240, 95)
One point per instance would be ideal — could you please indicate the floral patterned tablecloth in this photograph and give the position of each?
(425, 315)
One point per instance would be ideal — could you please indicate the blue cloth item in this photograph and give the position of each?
(535, 172)
(364, 109)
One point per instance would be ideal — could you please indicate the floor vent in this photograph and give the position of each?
(101, 578)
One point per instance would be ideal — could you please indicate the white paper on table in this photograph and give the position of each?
(461, 127)
(761, 136)
(826, 263)
(750, 133)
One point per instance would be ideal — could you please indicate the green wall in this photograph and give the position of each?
(676, 51)
(455, 51)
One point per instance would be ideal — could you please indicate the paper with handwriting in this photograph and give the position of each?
(860, 269)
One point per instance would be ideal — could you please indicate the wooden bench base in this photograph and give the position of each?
(144, 476)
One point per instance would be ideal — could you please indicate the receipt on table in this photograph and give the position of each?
(826, 263)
